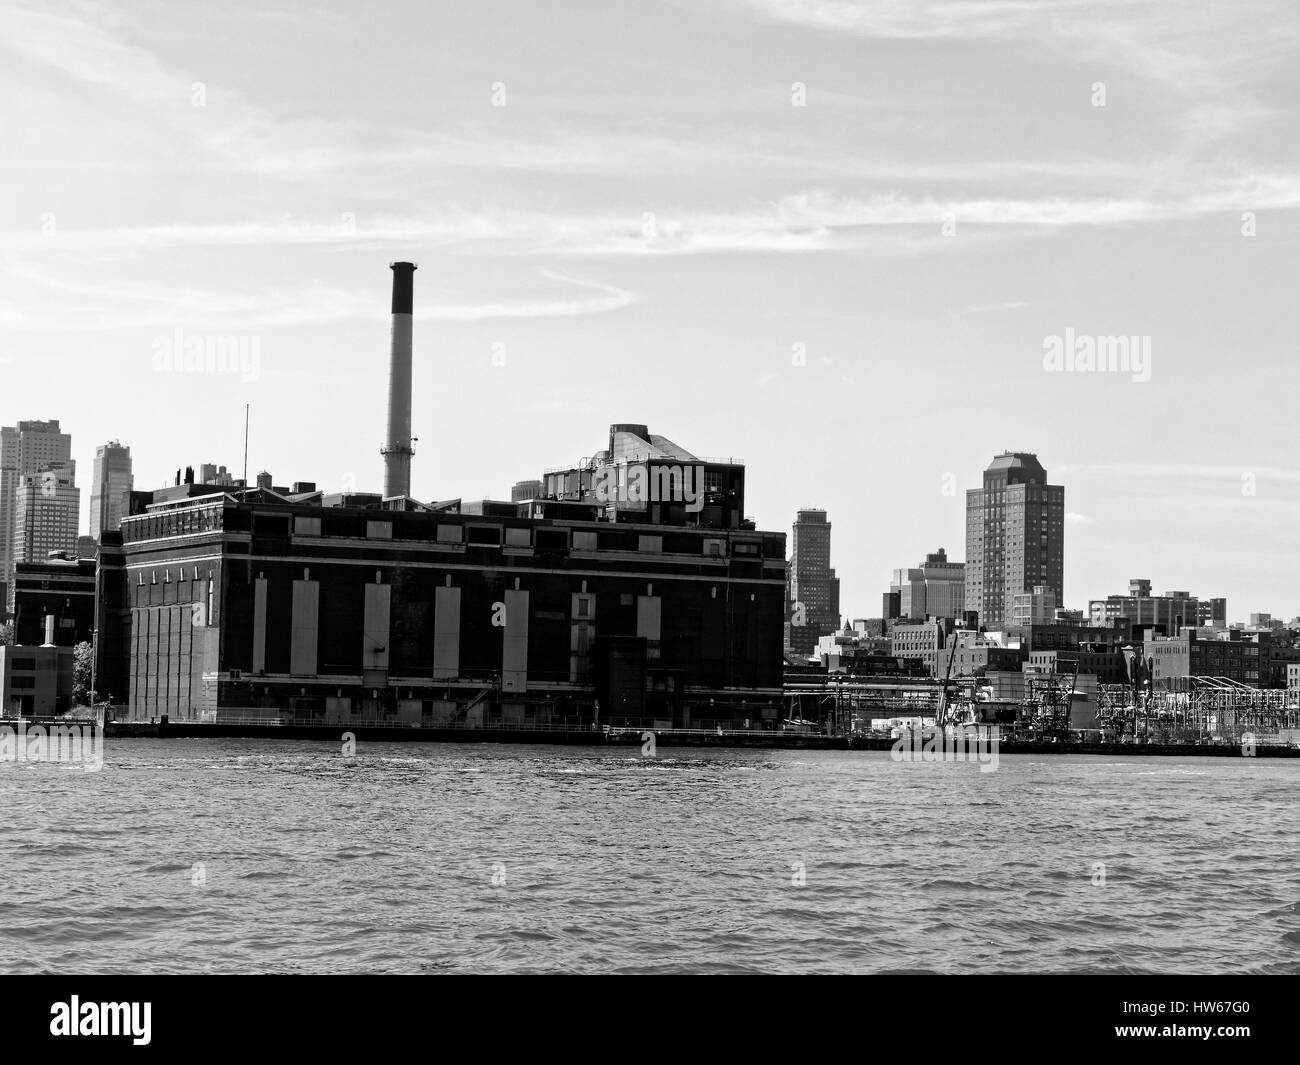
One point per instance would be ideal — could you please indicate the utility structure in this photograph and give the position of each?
(398, 448)
(1200, 709)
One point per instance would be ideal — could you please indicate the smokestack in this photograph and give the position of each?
(397, 451)
(49, 631)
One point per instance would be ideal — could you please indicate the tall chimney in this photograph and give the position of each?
(397, 451)
(49, 631)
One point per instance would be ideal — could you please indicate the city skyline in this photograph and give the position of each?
(816, 232)
(1157, 587)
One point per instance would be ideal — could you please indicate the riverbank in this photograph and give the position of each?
(333, 733)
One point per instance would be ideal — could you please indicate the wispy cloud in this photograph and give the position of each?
(99, 305)
(817, 220)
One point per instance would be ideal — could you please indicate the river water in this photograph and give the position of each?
(227, 856)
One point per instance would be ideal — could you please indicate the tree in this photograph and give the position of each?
(7, 634)
(83, 659)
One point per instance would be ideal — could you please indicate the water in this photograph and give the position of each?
(196, 856)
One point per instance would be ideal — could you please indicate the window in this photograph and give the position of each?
(518, 538)
(450, 534)
(584, 541)
(485, 535)
(652, 544)
(552, 540)
(379, 530)
(306, 526)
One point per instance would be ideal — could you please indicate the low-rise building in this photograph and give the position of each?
(916, 639)
(61, 587)
(1107, 665)
(1034, 608)
(974, 654)
(1169, 613)
(35, 681)
(1251, 659)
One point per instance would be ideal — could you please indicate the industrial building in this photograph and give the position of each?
(1256, 661)
(588, 603)
(61, 588)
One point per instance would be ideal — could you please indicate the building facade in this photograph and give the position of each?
(1109, 666)
(61, 588)
(35, 681)
(223, 607)
(25, 451)
(935, 588)
(1140, 609)
(47, 511)
(1034, 608)
(1015, 537)
(813, 592)
(1255, 660)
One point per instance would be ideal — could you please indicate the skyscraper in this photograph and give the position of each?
(110, 487)
(1015, 528)
(25, 450)
(813, 588)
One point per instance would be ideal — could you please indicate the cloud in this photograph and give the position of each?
(98, 305)
(808, 221)
(1071, 518)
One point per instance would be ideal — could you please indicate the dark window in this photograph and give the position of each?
(552, 540)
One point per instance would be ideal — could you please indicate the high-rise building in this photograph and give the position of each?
(1015, 527)
(47, 506)
(110, 487)
(25, 450)
(935, 588)
(813, 589)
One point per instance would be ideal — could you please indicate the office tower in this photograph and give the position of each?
(110, 487)
(25, 450)
(47, 506)
(1015, 528)
(814, 590)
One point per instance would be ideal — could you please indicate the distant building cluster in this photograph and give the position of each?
(1002, 609)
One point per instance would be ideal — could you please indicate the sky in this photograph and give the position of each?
(838, 241)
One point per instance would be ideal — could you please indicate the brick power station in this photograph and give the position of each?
(627, 588)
